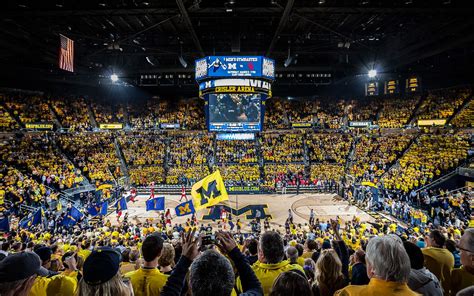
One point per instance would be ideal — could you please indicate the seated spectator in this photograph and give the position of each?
(438, 260)
(329, 277)
(291, 283)
(102, 275)
(210, 273)
(155, 280)
(421, 280)
(388, 268)
(359, 270)
(464, 277)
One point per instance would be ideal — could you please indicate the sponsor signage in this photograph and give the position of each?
(301, 124)
(169, 125)
(235, 136)
(431, 122)
(39, 126)
(111, 126)
(360, 123)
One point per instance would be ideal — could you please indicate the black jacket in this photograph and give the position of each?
(359, 275)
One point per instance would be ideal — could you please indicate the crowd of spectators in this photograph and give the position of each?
(106, 113)
(187, 149)
(326, 172)
(236, 152)
(241, 175)
(187, 174)
(28, 108)
(282, 147)
(465, 118)
(329, 147)
(396, 111)
(72, 113)
(374, 154)
(281, 175)
(94, 154)
(427, 158)
(441, 104)
(41, 158)
(275, 117)
(7, 123)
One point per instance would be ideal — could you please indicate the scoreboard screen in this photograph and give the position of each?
(235, 112)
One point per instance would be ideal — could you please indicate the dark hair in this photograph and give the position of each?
(126, 255)
(414, 253)
(252, 246)
(438, 238)
(315, 256)
(271, 245)
(151, 247)
(312, 245)
(450, 245)
(211, 274)
(300, 249)
(291, 283)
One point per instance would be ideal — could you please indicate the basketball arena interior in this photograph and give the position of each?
(202, 147)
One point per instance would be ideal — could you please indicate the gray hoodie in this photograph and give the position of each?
(424, 282)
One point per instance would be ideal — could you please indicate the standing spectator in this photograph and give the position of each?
(252, 247)
(388, 268)
(329, 277)
(359, 270)
(464, 277)
(166, 260)
(437, 259)
(102, 275)
(421, 280)
(451, 246)
(270, 261)
(148, 280)
(18, 273)
(291, 283)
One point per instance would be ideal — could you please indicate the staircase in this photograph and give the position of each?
(413, 115)
(458, 110)
(350, 155)
(55, 116)
(123, 164)
(92, 120)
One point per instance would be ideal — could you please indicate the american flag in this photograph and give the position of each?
(66, 54)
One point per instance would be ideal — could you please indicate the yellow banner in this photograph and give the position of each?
(430, 122)
(209, 191)
(368, 183)
(45, 126)
(111, 125)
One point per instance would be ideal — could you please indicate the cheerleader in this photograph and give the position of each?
(168, 217)
(183, 193)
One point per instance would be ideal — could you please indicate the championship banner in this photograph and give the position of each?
(111, 126)
(209, 191)
(431, 122)
(39, 126)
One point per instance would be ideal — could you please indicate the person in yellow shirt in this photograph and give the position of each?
(438, 260)
(270, 262)
(464, 277)
(148, 280)
(18, 273)
(388, 267)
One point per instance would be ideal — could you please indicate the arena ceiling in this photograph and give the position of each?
(346, 37)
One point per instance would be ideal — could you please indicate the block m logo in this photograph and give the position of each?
(249, 212)
(211, 192)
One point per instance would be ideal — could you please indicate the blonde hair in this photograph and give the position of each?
(167, 256)
(113, 287)
(328, 268)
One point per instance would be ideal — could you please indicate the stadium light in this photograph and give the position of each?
(372, 73)
(114, 77)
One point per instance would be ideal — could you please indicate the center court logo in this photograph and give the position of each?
(249, 212)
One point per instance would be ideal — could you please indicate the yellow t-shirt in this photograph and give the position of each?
(460, 279)
(147, 282)
(377, 287)
(55, 285)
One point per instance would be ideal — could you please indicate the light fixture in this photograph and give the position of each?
(114, 77)
(372, 73)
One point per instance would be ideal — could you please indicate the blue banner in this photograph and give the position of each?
(72, 217)
(121, 204)
(156, 204)
(98, 209)
(33, 220)
(235, 66)
(4, 224)
(185, 208)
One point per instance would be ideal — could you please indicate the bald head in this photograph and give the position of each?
(467, 250)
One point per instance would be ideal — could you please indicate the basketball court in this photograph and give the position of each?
(325, 206)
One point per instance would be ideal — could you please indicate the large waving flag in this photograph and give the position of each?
(156, 204)
(73, 216)
(209, 191)
(98, 209)
(121, 205)
(185, 208)
(33, 220)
